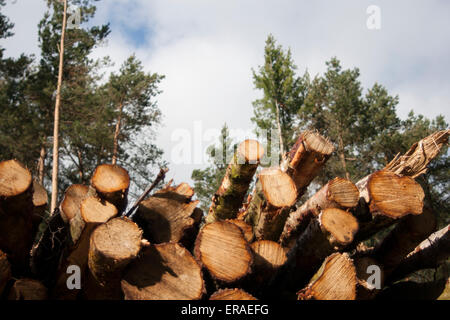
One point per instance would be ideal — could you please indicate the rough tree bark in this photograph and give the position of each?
(28, 289)
(164, 272)
(5, 272)
(338, 193)
(239, 174)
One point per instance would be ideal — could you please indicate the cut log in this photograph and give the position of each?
(16, 214)
(70, 205)
(429, 254)
(113, 246)
(245, 227)
(338, 193)
(274, 195)
(93, 212)
(111, 183)
(222, 249)
(40, 202)
(335, 280)
(164, 272)
(28, 289)
(227, 201)
(5, 272)
(415, 161)
(403, 239)
(232, 294)
(367, 271)
(385, 198)
(306, 159)
(169, 216)
(333, 230)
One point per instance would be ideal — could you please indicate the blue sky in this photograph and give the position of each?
(206, 49)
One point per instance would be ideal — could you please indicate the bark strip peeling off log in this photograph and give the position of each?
(232, 294)
(111, 183)
(164, 272)
(415, 161)
(238, 176)
(335, 280)
(385, 198)
(338, 193)
(169, 215)
(222, 249)
(274, 195)
(306, 159)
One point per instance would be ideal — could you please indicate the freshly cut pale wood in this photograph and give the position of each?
(5, 272)
(169, 215)
(93, 212)
(333, 230)
(415, 161)
(306, 159)
(338, 193)
(269, 256)
(385, 198)
(16, 214)
(245, 227)
(231, 294)
(274, 195)
(111, 183)
(164, 272)
(228, 199)
(335, 280)
(113, 246)
(28, 289)
(365, 270)
(222, 249)
(70, 205)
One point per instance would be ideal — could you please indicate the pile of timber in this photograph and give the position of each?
(263, 243)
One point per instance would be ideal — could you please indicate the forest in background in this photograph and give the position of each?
(105, 116)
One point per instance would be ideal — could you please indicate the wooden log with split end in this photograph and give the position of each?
(5, 272)
(28, 289)
(228, 199)
(306, 159)
(232, 294)
(386, 198)
(338, 193)
(430, 253)
(163, 272)
(274, 195)
(93, 212)
(222, 250)
(111, 183)
(70, 205)
(335, 280)
(16, 214)
(113, 246)
(170, 215)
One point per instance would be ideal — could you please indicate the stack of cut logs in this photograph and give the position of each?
(262, 244)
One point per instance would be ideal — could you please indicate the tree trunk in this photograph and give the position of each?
(280, 132)
(222, 250)
(113, 246)
(335, 280)
(41, 165)
(169, 216)
(70, 205)
(164, 272)
(111, 183)
(338, 193)
(385, 198)
(342, 157)
(5, 272)
(16, 214)
(28, 289)
(306, 159)
(274, 195)
(230, 196)
(429, 254)
(93, 212)
(116, 135)
(231, 294)
(56, 123)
